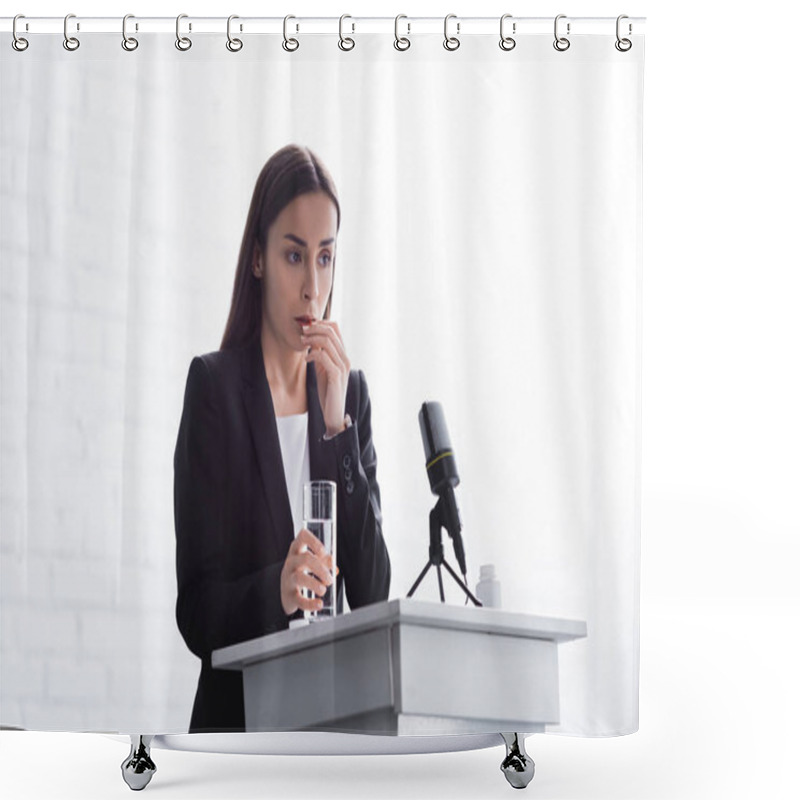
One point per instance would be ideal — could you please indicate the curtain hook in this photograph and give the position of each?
(346, 43)
(70, 42)
(506, 42)
(290, 45)
(128, 42)
(18, 43)
(451, 42)
(401, 43)
(182, 42)
(623, 45)
(233, 45)
(561, 43)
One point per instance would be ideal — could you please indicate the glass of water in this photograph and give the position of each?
(319, 517)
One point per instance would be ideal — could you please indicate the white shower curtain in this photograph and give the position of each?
(489, 257)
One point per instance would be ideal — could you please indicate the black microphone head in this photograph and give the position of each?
(439, 460)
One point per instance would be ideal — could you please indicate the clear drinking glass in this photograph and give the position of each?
(319, 517)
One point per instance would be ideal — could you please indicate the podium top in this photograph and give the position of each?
(405, 611)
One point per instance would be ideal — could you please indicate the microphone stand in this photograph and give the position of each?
(436, 553)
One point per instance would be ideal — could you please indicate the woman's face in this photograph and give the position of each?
(298, 273)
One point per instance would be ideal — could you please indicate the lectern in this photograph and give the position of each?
(407, 667)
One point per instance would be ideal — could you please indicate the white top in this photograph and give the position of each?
(293, 435)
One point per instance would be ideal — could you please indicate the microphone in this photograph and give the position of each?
(442, 473)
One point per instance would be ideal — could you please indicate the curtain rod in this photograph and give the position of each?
(326, 25)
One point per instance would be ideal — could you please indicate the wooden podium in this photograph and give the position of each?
(405, 667)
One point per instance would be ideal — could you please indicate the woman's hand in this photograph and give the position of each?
(307, 566)
(333, 370)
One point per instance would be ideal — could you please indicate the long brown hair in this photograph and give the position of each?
(290, 172)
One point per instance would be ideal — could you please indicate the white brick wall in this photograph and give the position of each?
(80, 680)
(80, 634)
(27, 678)
(88, 638)
(107, 663)
(46, 630)
(94, 354)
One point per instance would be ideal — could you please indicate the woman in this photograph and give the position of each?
(277, 405)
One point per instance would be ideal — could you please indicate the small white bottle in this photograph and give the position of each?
(488, 588)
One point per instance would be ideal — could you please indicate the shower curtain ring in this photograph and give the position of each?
(561, 43)
(451, 42)
(18, 43)
(70, 42)
(346, 43)
(182, 42)
(506, 42)
(623, 45)
(128, 42)
(233, 45)
(290, 45)
(401, 42)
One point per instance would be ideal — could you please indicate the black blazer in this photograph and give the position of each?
(233, 520)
